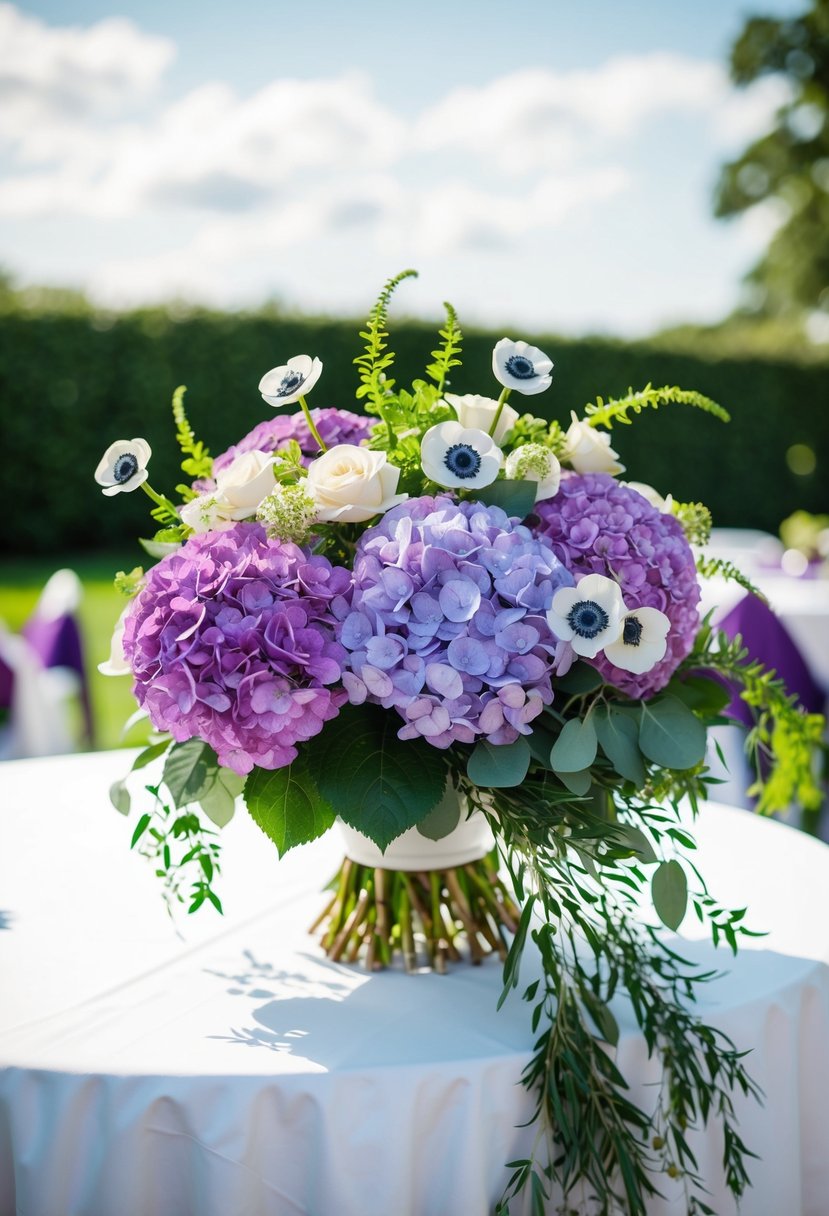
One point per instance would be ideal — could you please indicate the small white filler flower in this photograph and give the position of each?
(588, 616)
(459, 457)
(642, 642)
(522, 367)
(285, 385)
(123, 466)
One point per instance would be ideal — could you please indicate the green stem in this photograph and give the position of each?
(158, 499)
(502, 400)
(311, 426)
(390, 431)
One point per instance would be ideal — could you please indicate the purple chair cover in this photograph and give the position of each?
(57, 643)
(767, 639)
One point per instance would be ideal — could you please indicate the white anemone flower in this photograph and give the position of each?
(285, 385)
(642, 642)
(459, 457)
(123, 466)
(534, 462)
(522, 367)
(588, 616)
(479, 412)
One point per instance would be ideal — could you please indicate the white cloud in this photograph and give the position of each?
(321, 174)
(52, 79)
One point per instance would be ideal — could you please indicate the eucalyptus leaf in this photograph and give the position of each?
(287, 804)
(514, 497)
(499, 767)
(377, 783)
(669, 889)
(670, 734)
(618, 735)
(218, 801)
(705, 694)
(577, 783)
(119, 796)
(629, 837)
(575, 748)
(580, 679)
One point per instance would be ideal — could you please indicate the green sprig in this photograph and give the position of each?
(375, 384)
(605, 413)
(446, 356)
(197, 462)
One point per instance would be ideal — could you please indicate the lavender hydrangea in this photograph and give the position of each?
(447, 622)
(335, 426)
(599, 526)
(232, 641)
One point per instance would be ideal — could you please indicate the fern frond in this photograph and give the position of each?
(711, 567)
(373, 363)
(445, 357)
(197, 462)
(605, 413)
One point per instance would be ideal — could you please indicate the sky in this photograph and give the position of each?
(545, 165)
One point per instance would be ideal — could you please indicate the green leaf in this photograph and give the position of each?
(443, 818)
(158, 548)
(629, 837)
(575, 748)
(580, 679)
(377, 783)
(669, 889)
(149, 754)
(577, 783)
(618, 734)
(218, 801)
(670, 734)
(119, 796)
(514, 497)
(499, 767)
(189, 770)
(140, 829)
(601, 1016)
(701, 693)
(287, 805)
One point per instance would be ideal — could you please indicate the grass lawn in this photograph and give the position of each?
(21, 581)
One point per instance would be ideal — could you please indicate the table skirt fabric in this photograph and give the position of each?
(237, 1072)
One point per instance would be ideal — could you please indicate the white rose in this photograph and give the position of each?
(351, 484)
(240, 488)
(665, 505)
(116, 664)
(477, 413)
(589, 450)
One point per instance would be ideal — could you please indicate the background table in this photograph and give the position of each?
(236, 1072)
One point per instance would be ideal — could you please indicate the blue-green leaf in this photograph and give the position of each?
(514, 497)
(188, 770)
(575, 748)
(287, 805)
(577, 783)
(218, 800)
(618, 734)
(443, 818)
(670, 734)
(499, 767)
(669, 889)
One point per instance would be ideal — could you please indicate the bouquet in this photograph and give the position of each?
(444, 608)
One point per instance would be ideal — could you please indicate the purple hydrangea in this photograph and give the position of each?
(447, 622)
(335, 426)
(232, 641)
(599, 526)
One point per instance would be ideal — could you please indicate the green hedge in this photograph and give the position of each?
(69, 385)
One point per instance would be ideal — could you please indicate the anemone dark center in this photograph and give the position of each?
(632, 632)
(462, 460)
(291, 381)
(587, 619)
(126, 466)
(520, 367)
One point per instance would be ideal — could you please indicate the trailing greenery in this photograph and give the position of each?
(721, 567)
(605, 413)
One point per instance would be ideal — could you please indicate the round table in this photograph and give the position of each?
(234, 1071)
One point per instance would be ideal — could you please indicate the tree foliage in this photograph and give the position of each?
(787, 168)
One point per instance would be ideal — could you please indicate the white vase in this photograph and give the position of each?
(469, 841)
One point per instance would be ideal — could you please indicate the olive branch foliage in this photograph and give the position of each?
(590, 812)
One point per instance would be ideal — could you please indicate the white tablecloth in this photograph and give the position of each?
(236, 1072)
